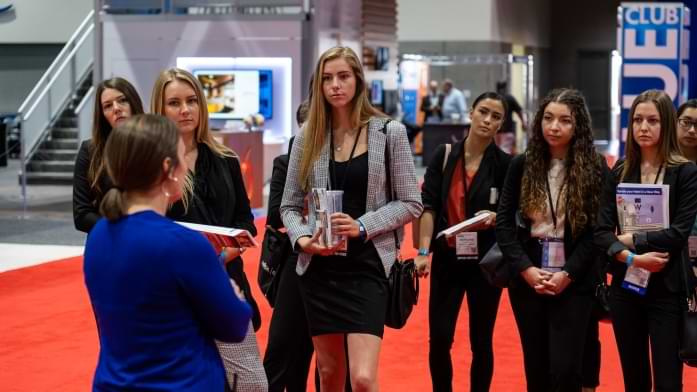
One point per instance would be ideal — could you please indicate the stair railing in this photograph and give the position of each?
(47, 99)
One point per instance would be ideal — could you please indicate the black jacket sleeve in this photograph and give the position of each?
(433, 179)
(506, 226)
(582, 258)
(605, 237)
(243, 217)
(278, 182)
(674, 237)
(85, 213)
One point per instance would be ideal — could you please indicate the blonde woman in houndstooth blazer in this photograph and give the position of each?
(342, 147)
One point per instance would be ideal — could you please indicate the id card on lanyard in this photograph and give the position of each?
(466, 246)
(553, 253)
(636, 279)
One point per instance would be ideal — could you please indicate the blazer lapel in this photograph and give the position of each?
(483, 178)
(376, 162)
(670, 179)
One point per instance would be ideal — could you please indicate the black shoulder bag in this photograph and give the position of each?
(403, 292)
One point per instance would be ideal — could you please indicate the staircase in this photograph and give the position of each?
(54, 161)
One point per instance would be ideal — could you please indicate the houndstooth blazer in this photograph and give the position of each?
(381, 218)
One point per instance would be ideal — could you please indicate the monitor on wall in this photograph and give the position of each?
(236, 93)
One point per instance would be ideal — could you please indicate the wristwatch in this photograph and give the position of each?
(362, 234)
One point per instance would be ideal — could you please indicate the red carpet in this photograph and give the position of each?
(48, 339)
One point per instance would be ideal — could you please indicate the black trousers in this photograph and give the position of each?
(450, 280)
(552, 332)
(640, 320)
(591, 356)
(289, 350)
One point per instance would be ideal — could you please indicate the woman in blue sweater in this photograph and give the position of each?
(157, 312)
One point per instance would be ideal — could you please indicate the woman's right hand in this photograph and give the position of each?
(423, 266)
(651, 261)
(312, 245)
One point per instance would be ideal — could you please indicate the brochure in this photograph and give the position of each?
(224, 236)
(463, 226)
(641, 208)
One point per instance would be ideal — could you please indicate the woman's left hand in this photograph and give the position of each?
(490, 221)
(559, 281)
(232, 253)
(343, 224)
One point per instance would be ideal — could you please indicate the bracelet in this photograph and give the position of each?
(423, 251)
(223, 256)
(630, 259)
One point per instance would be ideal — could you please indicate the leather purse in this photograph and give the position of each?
(688, 335)
(496, 269)
(403, 288)
(275, 251)
(601, 306)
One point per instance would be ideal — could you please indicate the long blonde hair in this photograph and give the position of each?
(669, 149)
(319, 116)
(202, 133)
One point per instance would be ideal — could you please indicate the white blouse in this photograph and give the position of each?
(542, 223)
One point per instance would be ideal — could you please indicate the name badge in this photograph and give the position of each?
(466, 246)
(553, 255)
(636, 279)
(692, 246)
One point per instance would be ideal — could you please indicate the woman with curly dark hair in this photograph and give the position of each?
(555, 187)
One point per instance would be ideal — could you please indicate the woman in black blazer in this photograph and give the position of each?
(652, 156)
(451, 195)
(555, 186)
(115, 100)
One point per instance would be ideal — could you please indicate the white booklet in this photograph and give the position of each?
(641, 208)
(224, 236)
(463, 226)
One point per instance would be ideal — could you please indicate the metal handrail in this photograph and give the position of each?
(49, 72)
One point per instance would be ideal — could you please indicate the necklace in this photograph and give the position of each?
(339, 148)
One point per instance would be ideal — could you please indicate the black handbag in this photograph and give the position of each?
(403, 288)
(688, 335)
(275, 250)
(601, 306)
(497, 270)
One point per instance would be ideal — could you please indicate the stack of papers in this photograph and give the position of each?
(224, 236)
(463, 226)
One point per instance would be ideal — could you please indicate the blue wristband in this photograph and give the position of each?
(423, 251)
(222, 257)
(630, 259)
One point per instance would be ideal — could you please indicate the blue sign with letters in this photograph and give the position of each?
(654, 46)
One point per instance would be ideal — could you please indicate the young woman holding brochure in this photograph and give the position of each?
(467, 185)
(555, 186)
(643, 313)
(158, 291)
(214, 194)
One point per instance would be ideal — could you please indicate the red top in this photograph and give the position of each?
(456, 195)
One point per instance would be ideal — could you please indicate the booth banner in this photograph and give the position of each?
(414, 82)
(653, 41)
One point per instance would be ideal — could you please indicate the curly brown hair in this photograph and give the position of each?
(584, 165)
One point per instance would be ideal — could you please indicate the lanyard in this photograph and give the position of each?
(658, 174)
(348, 165)
(551, 205)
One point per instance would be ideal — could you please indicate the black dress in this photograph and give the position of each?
(347, 294)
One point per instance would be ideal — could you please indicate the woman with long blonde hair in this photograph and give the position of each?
(649, 310)
(214, 195)
(343, 146)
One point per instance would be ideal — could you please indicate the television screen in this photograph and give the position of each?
(235, 94)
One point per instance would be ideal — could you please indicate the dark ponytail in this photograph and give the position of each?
(113, 205)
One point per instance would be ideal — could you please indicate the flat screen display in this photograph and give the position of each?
(235, 94)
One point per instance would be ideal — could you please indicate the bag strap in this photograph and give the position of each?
(448, 146)
(388, 175)
(690, 292)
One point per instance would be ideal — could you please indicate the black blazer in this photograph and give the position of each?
(491, 174)
(85, 200)
(220, 199)
(682, 203)
(278, 183)
(426, 105)
(580, 253)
